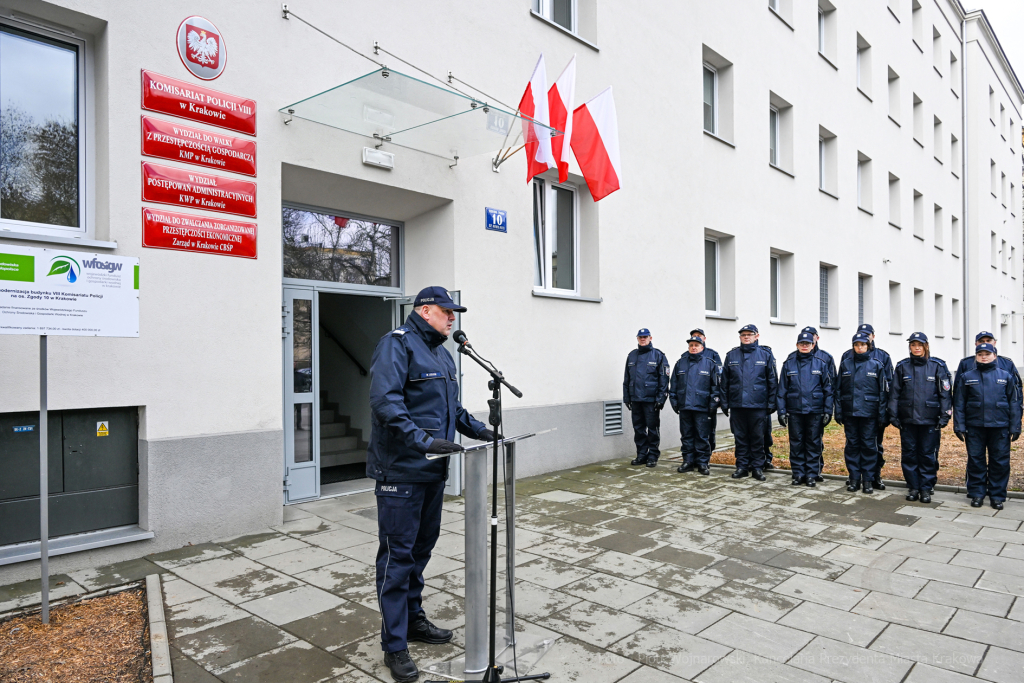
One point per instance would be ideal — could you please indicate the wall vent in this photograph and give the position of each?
(612, 417)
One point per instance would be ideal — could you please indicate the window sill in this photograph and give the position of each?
(829, 61)
(781, 170)
(938, 159)
(573, 297)
(779, 322)
(781, 18)
(864, 94)
(896, 334)
(955, 93)
(895, 225)
(919, 237)
(867, 211)
(937, 70)
(56, 239)
(956, 256)
(954, 174)
(914, 41)
(895, 121)
(939, 336)
(894, 16)
(830, 327)
(566, 31)
(824, 191)
(919, 143)
(62, 545)
(722, 140)
(712, 316)
(939, 247)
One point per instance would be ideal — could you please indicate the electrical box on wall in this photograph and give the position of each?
(378, 158)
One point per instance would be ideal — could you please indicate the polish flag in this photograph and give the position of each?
(534, 105)
(596, 144)
(561, 98)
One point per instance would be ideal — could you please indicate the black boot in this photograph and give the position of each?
(758, 474)
(797, 481)
(852, 486)
(877, 483)
(740, 473)
(912, 495)
(704, 469)
(422, 631)
(768, 466)
(686, 467)
(638, 461)
(809, 482)
(652, 463)
(926, 496)
(818, 478)
(996, 504)
(867, 486)
(976, 502)
(403, 669)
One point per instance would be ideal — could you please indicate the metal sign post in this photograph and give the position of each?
(44, 483)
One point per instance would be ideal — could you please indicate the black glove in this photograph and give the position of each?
(783, 419)
(896, 423)
(444, 446)
(943, 421)
(675, 410)
(661, 405)
(839, 419)
(629, 406)
(825, 419)
(488, 435)
(1014, 436)
(959, 435)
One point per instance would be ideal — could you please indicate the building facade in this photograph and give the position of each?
(891, 132)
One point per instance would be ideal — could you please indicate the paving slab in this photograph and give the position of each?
(564, 551)
(340, 538)
(188, 554)
(631, 525)
(608, 590)
(741, 571)
(929, 512)
(865, 557)
(187, 671)
(264, 544)
(290, 605)
(988, 521)
(974, 545)
(341, 578)
(671, 651)
(820, 591)
(1013, 551)
(903, 532)
(744, 550)
(549, 573)
(1002, 666)
(1001, 583)
(851, 537)
(24, 593)
(218, 647)
(534, 602)
(933, 649)
(948, 528)
(913, 613)
(884, 582)
(682, 558)
(646, 674)
(367, 656)
(922, 673)
(115, 574)
(810, 565)
(297, 662)
(303, 559)
(849, 663)
(575, 660)
(770, 606)
(334, 628)
(306, 526)
(1003, 565)
(198, 615)
(627, 544)
(619, 564)
(921, 551)
(757, 636)
(996, 534)
(677, 612)
(966, 598)
(680, 580)
(835, 624)
(236, 578)
(988, 630)
(805, 544)
(593, 623)
(179, 591)
(743, 667)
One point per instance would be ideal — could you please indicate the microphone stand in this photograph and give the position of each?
(493, 672)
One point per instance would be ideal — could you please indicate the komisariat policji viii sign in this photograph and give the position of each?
(68, 293)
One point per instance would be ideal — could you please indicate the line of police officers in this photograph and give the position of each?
(865, 393)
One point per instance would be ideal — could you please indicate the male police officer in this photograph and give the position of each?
(1001, 361)
(694, 395)
(805, 402)
(644, 390)
(749, 386)
(883, 358)
(414, 401)
(861, 406)
(831, 364)
(713, 355)
(987, 416)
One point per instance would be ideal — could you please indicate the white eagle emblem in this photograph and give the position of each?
(202, 48)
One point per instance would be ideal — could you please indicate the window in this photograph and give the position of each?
(711, 298)
(823, 295)
(773, 136)
(863, 65)
(827, 296)
(918, 215)
(774, 4)
(1002, 120)
(917, 19)
(863, 298)
(1013, 262)
(954, 155)
(561, 12)
(940, 317)
(894, 7)
(918, 310)
(864, 188)
(828, 153)
(894, 201)
(827, 30)
(954, 236)
(323, 246)
(555, 236)
(954, 73)
(993, 249)
(894, 96)
(937, 138)
(1002, 188)
(954, 319)
(937, 50)
(710, 99)
(718, 94)
(993, 179)
(784, 10)
(1003, 254)
(1013, 193)
(775, 284)
(780, 133)
(918, 120)
(939, 227)
(895, 308)
(992, 105)
(42, 164)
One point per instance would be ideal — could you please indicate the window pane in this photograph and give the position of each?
(303, 437)
(709, 100)
(773, 136)
(823, 296)
(320, 246)
(860, 301)
(710, 275)
(774, 261)
(538, 234)
(821, 163)
(562, 266)
(302, 345)
(38, 130)
(561, 13)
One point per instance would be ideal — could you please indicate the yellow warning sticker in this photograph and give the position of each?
(102, 429)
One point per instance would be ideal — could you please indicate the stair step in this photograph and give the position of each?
(329, 429)
(326, 416)
(343, 457)
(338, 443)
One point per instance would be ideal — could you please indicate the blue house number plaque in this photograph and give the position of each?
(496, 220)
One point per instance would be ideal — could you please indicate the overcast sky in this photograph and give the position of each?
(1007, 17)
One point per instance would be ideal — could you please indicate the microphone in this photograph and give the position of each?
(460, 338)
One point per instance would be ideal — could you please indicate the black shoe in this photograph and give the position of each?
(758, 474)
(809, 482)
(638, 461)
(740, 473)
(422, 631)
(768, 466)
(996, 505)
(704, 469)
(976, 502)
(402, 667)
(818, 478)
(852, 486)
(867, 486)
(877, 483)
(912, 495)
(797, 481)
(926, 496)
(686, 467)
(652, 463)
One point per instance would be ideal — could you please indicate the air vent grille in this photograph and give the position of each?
(612, 417)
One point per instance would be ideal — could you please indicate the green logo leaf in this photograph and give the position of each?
(59, 267)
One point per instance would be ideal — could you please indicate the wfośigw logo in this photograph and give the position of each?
(65, 265)
(203, 46)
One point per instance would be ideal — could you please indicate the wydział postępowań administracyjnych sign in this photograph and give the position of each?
(198, 190)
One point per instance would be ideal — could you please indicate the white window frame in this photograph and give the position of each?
(550, 237)
(714, 98)
(860, 299)
(718, 277)
(823, 271)
(84, 87)
(774, 130)
(546, 8)
(776, 267)
(821, 31)
(821, 163)
(860, 182)
(774, 5)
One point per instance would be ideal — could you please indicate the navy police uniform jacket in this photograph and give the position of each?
(862, 388)
(694, 384)
(878, 354)
(805, 385)
(646, 377)
(921, 392)
(1001, 362)
(749, 379)
(414, 399)
(986, 398)
(713, 355)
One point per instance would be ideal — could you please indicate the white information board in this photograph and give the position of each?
(59, 292)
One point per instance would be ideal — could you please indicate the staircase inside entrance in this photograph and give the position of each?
(342, 447)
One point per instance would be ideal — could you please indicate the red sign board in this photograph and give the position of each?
(194, 102)
(169, 140)
(202, 234)
(198, 190)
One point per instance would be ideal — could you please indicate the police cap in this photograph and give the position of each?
(697, 330)
(643, 332)
(695, 339)
(805, 337)
(749, 328)
(918, 337)
(985, 347)
(438, 296)
(810, 329)
(981, 335)
(866, 329)
(861, 337)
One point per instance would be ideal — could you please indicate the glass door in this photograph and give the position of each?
(301, 402)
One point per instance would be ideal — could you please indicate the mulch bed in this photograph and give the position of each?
(98, 639)
(952, 456)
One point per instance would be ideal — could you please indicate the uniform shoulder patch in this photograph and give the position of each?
(399, 331)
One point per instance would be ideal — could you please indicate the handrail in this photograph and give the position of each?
(362, 370)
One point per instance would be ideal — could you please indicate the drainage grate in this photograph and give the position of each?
(612, 417)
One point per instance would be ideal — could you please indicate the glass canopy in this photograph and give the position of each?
(414, 114)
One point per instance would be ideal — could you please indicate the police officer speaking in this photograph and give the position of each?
(920, 403)
(414, 401)
(805, 403)
(861, 406)
(693, 392)
(987, 417)
(749, 386)
(644, 390)
(886, 361)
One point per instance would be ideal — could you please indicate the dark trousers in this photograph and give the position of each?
(861, 450)
(714, 428)
(820, 465)
(768, 440)
(646, 430)
(879, 452)
(408, 523)
(695, 429)
(989, 477)
(804, 444)
(919, 445)
(748, 429)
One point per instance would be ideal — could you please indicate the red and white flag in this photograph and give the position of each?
(595, 142)
(561, 98)
(534, 105)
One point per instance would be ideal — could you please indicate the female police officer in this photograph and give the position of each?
(919, 406)
(694, 395)
(861, 410)
(986, 413)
